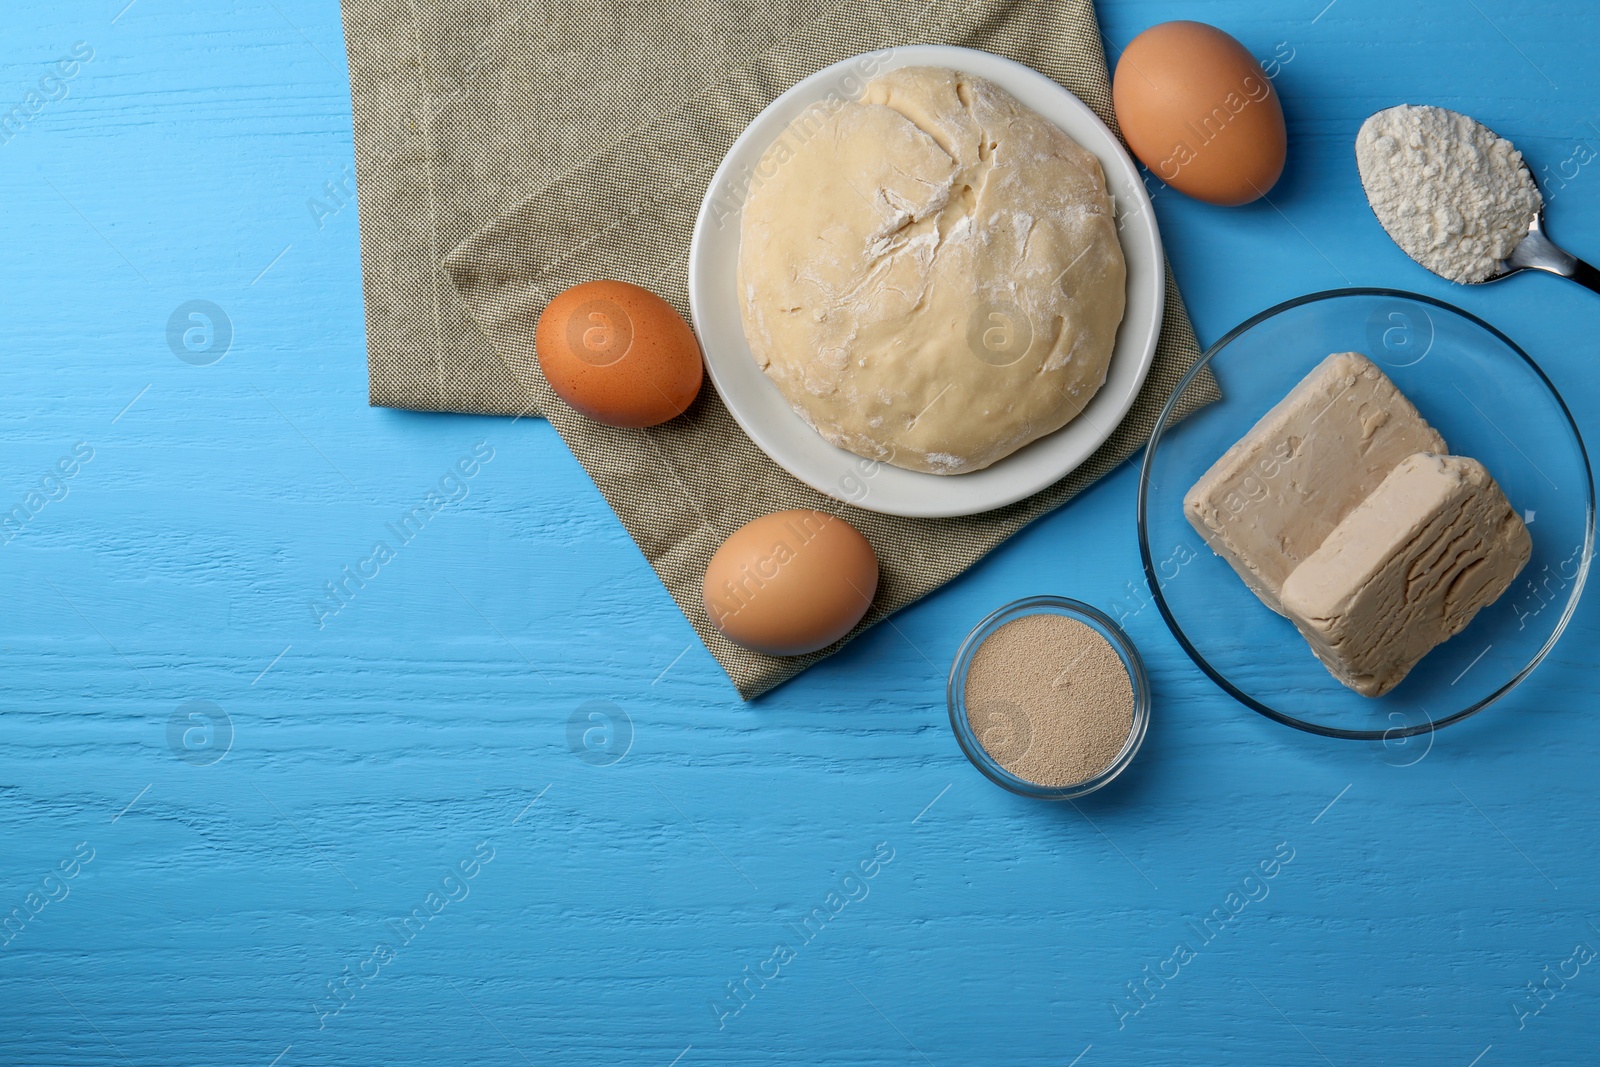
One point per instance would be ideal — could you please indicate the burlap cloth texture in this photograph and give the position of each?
(505, 152)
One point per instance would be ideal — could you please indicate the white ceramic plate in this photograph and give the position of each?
(764, 414)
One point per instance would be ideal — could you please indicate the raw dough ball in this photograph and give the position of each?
(931, 275)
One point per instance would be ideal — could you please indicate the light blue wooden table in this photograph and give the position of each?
(402, 856)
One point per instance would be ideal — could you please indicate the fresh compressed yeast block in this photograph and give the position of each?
(1407, 569)
(1273, 497)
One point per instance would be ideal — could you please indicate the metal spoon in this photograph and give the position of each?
(1537, 252)
(1534, 252)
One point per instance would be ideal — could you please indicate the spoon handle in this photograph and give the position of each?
(1585, 275)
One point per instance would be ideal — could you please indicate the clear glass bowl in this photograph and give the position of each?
(1488, 399)
(1089, 616)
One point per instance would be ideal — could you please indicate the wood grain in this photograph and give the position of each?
(371, 757)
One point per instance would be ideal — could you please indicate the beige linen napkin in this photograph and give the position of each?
(422, 350)
(603, 121)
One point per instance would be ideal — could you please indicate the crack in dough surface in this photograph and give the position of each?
(931, 275)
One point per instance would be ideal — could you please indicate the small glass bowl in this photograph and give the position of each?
(1101, 624)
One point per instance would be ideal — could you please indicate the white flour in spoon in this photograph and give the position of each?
(1453, 195)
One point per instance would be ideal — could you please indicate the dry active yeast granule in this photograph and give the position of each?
(1049, 698)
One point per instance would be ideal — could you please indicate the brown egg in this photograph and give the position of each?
(619, 354)
(791, 582)
(1199, 111)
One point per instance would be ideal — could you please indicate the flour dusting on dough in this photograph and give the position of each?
(931, 274)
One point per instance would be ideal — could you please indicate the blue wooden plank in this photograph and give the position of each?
(324, 892)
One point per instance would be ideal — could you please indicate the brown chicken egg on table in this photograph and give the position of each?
(790, 583)
(1198, 110)
(619, 354)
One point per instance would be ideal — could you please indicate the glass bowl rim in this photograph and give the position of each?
(955, 694)
(1164, 421)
